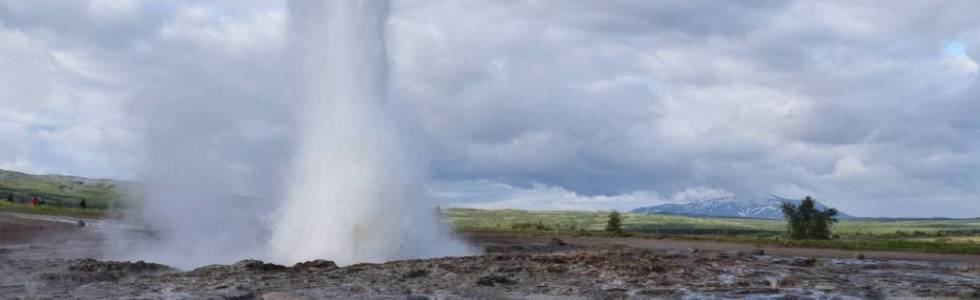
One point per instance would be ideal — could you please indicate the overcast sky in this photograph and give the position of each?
(869, 106)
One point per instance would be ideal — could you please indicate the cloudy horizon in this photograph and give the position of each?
(867, 106)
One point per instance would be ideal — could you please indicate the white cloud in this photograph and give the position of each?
(112, 9)
(858, 105)
(196, 24)
(495, 195)
(848, 167)
(606, 84)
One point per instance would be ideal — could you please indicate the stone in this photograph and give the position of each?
(493, 280)
(316, 264)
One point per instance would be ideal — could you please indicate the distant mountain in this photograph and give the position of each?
(770, 208)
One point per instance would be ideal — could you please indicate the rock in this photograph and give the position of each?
(804, 262)
(416, 273)
(758, 252)
(284, 296)
(692, 250)
(859, 256)
(90, 270)
(77, 277)
(968, 293)
(556, 269)
(612, 288)
(557, 242)
(254, 265)
(492, 280)
(237, 293)
(356, 288)
(316, 264)
(873, 293)
(80, 223)
(590, 272)
(90, 265)
(656, 293)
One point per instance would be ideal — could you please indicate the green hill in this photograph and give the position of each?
(61, 191)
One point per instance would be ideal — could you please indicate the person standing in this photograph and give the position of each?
(34, 201)
(82, 204)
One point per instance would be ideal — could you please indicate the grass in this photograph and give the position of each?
(61, 195)
(54, 210)
(61, 191)
(952, 236)
(510, 219)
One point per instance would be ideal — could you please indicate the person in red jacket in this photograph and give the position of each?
(34, 201)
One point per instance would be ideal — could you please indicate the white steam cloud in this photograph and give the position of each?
(352, 191)
(357, 194)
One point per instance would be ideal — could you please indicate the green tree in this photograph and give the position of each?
(807, 222)
(614, 223)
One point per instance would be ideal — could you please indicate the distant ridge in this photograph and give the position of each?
(729, 206)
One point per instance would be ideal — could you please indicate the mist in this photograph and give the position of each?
(312, 167)
(211, 171)
(357, 193)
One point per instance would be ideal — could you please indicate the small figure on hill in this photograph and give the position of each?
(10, 198)
(82, 204)
(34, 201)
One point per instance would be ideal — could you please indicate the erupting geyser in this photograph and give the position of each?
(353, 193)
(356, 194)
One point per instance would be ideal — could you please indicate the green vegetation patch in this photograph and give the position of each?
(959, 236)
(60, 191)
(54, 210)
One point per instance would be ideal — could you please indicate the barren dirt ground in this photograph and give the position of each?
(46, 258)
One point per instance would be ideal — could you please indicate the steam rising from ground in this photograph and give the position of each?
(356, 194)
(353, 192)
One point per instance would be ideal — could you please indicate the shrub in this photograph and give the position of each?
(807, 222)
(614, 223)
(529, 226)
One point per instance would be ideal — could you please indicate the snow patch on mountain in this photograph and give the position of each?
(729, 206)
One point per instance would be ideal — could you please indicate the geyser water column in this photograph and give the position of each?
(355, 195)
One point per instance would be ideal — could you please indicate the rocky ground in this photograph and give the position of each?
(511, 269)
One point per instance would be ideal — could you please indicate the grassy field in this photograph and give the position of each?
(104, 198)
(61, 195)
(60, 191)
(960, 236)
(54, 210)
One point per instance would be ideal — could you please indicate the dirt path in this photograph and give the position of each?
(669, 244)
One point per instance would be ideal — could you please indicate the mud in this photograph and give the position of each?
(513, 268)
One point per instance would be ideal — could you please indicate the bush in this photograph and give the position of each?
(614, 224)
(807, 222)
(529, 226)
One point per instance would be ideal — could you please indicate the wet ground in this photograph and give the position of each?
(37, 265)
